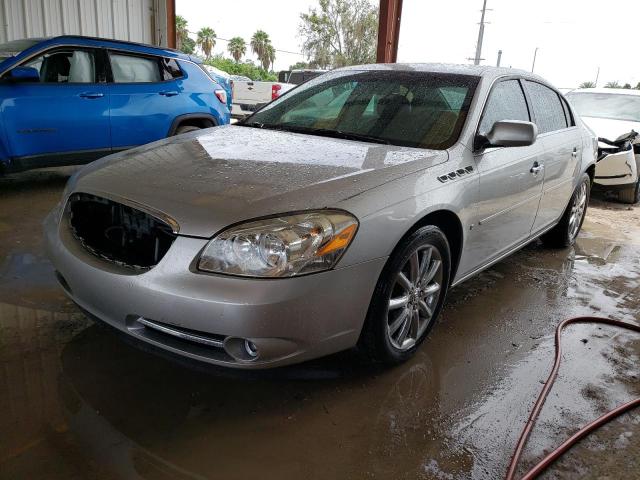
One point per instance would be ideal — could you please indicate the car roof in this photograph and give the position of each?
(612, 91)
(122, 44)
(475, 70)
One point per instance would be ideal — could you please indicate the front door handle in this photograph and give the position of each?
(171, 93)
(91, 95)
(574, 154)
(537, 168)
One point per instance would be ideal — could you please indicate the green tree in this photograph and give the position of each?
(587, 85)
(638, 86)
(247, 69)
(613, 84)
(627, 86)
(261, 46)
(299, 66)
(182, 33)
(339, 33)
(206, 40)
(237, 48)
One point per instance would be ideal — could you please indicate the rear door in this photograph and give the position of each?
(510, 182)
(63, 118)
(146, 95)
(562, 142)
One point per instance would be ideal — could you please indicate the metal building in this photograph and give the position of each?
(135, 20)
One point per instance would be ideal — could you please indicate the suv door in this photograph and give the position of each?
(510, 182)
(562, 141)
(63, 118)
(146, 96)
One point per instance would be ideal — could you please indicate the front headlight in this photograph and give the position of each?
(281, 247)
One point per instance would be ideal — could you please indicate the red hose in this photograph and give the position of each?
(556, 453)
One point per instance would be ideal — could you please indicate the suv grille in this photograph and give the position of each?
(118, 233)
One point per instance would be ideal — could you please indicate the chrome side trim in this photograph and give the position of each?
(180, 334)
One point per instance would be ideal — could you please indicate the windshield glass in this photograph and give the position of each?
(11, 49)
(606, 105)
(414, 109)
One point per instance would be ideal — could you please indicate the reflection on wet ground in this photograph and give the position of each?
(78, 402)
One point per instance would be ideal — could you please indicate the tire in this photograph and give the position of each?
(630, 195)
(186, 129)
(392, 335)
(564, 234)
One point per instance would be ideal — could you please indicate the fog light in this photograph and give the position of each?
(250, 348)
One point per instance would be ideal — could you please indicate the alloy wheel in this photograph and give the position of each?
(414, 297)
(578, 210)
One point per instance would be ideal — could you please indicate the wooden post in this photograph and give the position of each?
(171, 24)
(389, 30)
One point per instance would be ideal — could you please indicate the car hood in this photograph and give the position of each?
(610, 128)
(213, 178)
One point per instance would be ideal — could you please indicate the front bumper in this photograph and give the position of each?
(288, 320)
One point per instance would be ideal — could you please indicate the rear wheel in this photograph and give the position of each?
(408, 297)
(186, 129)
(564, 234)
(630, 195)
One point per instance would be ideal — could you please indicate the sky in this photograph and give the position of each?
(574, 38)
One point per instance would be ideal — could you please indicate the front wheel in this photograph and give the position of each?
(408, 296)
(564, 234)
(630, 195)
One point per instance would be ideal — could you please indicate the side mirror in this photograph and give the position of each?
(510, 133)
(24, 74)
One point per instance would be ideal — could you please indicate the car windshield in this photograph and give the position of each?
(606, 105)
(11, 49)
(414, 109)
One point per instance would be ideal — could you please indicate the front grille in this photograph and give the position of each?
(118, 233)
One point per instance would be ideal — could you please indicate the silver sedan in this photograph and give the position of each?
(337, 216)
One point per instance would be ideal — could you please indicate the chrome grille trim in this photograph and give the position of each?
(180, 334)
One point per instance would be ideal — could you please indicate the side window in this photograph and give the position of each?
(548, 109)
(506, 102)
(66, 65)
(170, 69)
(134, 69)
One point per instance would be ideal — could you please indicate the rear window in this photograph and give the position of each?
(134, 69)
(415, 109)
(606, 105)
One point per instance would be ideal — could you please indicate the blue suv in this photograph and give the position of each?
(69, 100)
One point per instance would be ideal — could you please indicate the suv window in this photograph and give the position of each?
(567, 112)
(506, 102)
(547, 108)
(67, 65)
(170, 69)
(134, 69)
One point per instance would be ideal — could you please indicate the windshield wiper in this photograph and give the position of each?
(327, 132)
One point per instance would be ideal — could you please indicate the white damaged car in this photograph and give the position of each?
(614, 115)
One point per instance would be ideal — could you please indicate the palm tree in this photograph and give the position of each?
(237, 48)
(206, 40)
(182, 32)
(261, 46)
(587, 85)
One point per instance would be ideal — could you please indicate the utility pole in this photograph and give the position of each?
(535, 54)
(597, 76)
(499, 58)
(478, 57)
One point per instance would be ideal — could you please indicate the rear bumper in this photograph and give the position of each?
(288, 320)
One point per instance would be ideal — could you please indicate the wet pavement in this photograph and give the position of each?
(77, 402)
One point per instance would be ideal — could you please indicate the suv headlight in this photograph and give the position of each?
(284, 246)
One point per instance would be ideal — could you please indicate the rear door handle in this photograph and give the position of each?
(537, 168)
(574, 153)
(91, 95)
(171, 93)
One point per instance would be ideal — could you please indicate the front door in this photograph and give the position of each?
(511, 180)
(63, 118)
